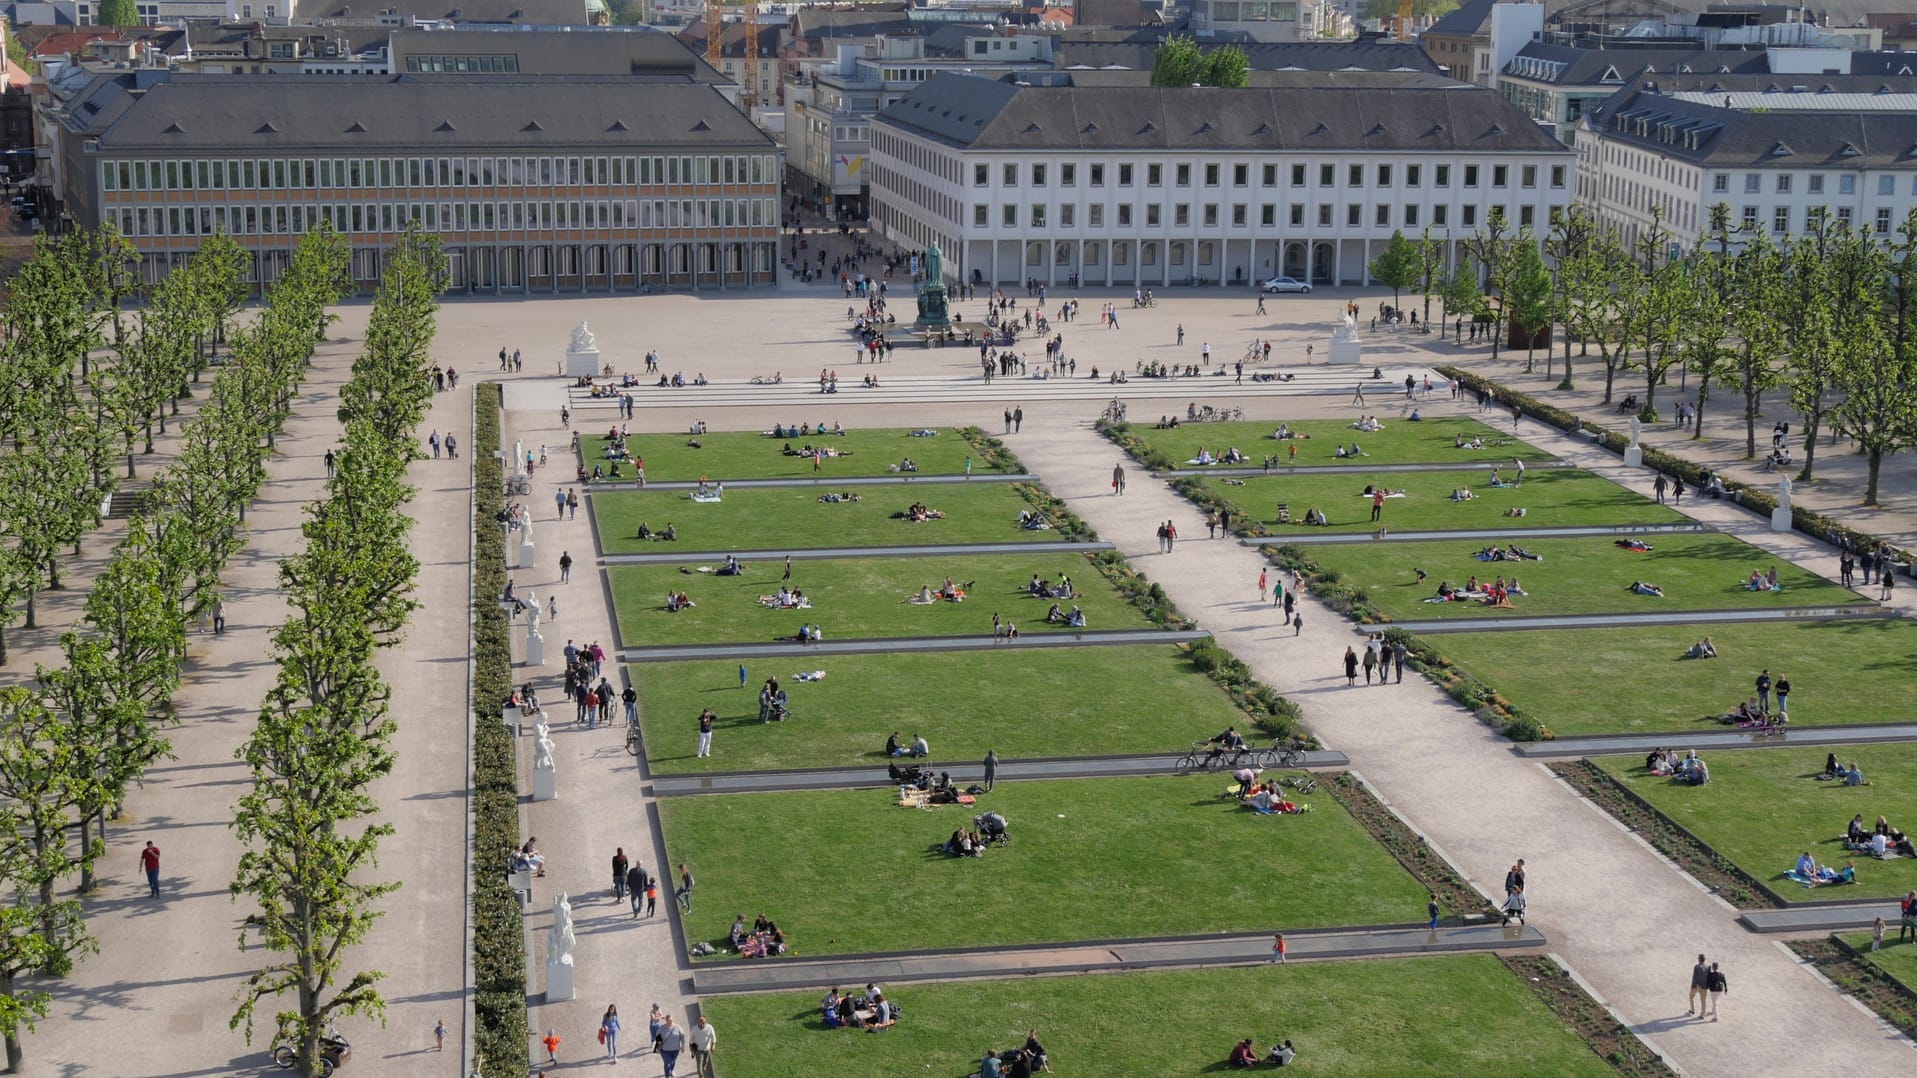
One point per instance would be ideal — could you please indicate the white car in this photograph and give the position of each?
(1285, 284)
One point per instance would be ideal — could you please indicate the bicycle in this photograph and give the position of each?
(1203, 758)
(1288, 754)
(632, 740)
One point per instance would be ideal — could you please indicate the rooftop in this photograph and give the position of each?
(1372, 55)
(1691, 122)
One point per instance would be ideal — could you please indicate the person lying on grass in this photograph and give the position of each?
(1642, 587)
(1635, 546)
(918, 513)
(834, 497)
(1703, 649)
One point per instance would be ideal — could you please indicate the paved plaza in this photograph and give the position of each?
(1624, 918)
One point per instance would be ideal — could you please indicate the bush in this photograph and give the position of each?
(1063, 521)
(1156, 460)
(991, 452)
(499, 929)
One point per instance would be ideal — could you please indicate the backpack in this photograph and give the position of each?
(1715, 982)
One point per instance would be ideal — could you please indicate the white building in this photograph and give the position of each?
(1307, 175)
(1772, 150)
(1264, 20)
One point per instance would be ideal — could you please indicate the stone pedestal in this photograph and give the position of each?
(582, 362)
(1633, 456)
(545, 787)
(559, 987)
(512, 550)
(526, 548)
(510, 716)
(1780, 519)
(1345, 352)
(535, 649)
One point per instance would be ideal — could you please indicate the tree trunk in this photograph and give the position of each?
(1812, 421)
(86, 863)
(1750, 422)
(16, 1053)
(1697, 421)
(1610, 375)
(1870, 489)
(30, 623)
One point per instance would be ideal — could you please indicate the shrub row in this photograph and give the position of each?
(1204, 496)
(1269, 711)
(1695, 476)
(1475, 696)
(499, 931)
(1063, 521)
(991, 452)
(1149, 598)
(1121, 433)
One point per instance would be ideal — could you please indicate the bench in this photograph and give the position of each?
(1589, 434)
(522, 884)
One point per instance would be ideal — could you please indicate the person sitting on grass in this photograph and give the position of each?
(919, 748)
(1703, 649)
(1055, 616)
(1314, 518)
(923, 598)
(1075, 619)
(1644, 587)
(1854, 776)
(1281, 1055)
(1463, 494)
(1243, 1054)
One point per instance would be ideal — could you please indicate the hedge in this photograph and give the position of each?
(991, 452)
(1695, 476)
(499, 929)
(1121, 433)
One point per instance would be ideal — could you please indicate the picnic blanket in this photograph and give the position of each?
(815, 675)
(1828, 877)
(705, 499)
(1388, 494)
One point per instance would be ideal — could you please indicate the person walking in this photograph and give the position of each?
(705, 732)
(609, 1032)
(1181, 334)
(652, 895)
(1118, 479)
(1278, 948)
(1171, 536)
(636, 883)
(620, 866)
(1358, 398)
(551, 1043)
(1877, 935)
(1018, 419)
(1351, 667)
(704, 1040)
(1008, 421)
(565, 567)
(684, 893)
(565, 417)
(788, 569)
(1886, 581)
(1514, 878)
(1700, 981)
(1399, 653)
(1658, 488)
(672, 1041)
(1264, 585)
(1431, 911)
(1162, 545)
(219, 615)
(572, 499)
(433, 440)
(439, 1035)
(991, 769)
(559, 503)
(452, 447)
(150, 861)
(332, 463)
(1677, 490)
(1297, 622)
(1719, 986)
(742, 675)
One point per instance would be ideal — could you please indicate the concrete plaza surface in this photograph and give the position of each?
(168, 968)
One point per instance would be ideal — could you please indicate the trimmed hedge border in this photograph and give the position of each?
(1811, 523)
(991, 452)
(499, 929)
(1121, 434)
(1670, 838)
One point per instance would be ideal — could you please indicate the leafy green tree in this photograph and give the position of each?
(118, 13)
(1430, 268)
(1757, 320)
(1876, 370)
(1658, 312)
(1708, 349)
(1489, 246)
(1180, 62)
(1227, 66)
(1397, 266)
(1526, 291)
(1461, 293)
(1830, 285)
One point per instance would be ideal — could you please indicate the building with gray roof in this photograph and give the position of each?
(534, 183)
(1112, 183)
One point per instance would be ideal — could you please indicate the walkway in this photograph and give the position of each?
(1611, 906)
(823, 481)
(684, 557)
(1309, 538)
(1797, 737)
(1527, 622)
(1804, 919)
(761, 652)
(841, 778)
(1106, 956)
(1336, 469)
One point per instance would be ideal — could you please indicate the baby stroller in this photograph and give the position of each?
(991, 829)
(910, 775)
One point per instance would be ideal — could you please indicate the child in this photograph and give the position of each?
(1278, 948)
(551, 1041)
(439, 1033)
(1877, 935)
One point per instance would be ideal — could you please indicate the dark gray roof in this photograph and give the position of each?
(1468, 18)
(1708, 135)
(868, 20)
(1593, 67)
(524, 12)
(1330, 111)
(229, 39)
(608, 51)
(947, 40)
(515, 113)
(1370, 55)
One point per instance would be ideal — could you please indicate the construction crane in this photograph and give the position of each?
(749, 53)
(1404, 20)
(715, 32)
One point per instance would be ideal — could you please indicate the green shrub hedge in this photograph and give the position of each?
(991, 452)
(1121, 433)
(499, 930)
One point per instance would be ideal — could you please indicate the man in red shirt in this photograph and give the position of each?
(150, 860)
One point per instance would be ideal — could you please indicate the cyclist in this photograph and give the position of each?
(1228, 741)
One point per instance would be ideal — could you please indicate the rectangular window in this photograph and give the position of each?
(1500, 175)
(1383, 218)
(1151, 215)
(1470, 217)
(1886, 185)
(1268, 215)
(1068, 175)
(1751, 183)
(1528, 176)
(1010, 216)
(1413, 174)
(1883, 221)
(1557, 177)
(1411, 215)
(1154, 175)
(1750, 218)
(1443, 176)
(1352, 215)
(1038, 175)
(1181, 215)
(172, 176)
(1326, 174)
(1098, 175)
(1010, 176)
(1125, 215)
(1211, 175)
(1526, 216)
(386, 172)
(1781, 219)
(981, 215)
(1066, 216)
(1816, 183)
(1324, 216)
(1095, 215)
(1440, 216)
(1783, 183)
(1271, 176)
(1124, 175)
(1384, 175)
(981, 175)
(1721, 183)
(1297, 175)
(1354, 175)
(1238, 217)
(1184, 175)
(1211, 215)
(1847, 184)
(1843, 216)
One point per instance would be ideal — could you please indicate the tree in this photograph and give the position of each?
(1227, 66)
(1829, 288)
(1488, 246)
(1876, 370)
(118, 13)
(1526, 291)
(1430, 268)
(1756, 321)
(1179, 62)
(1397, 266)
(1658, 311)
(1461, 293)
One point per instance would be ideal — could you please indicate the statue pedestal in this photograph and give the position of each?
(535, 649)
(582, 362)
(545, 786)
(510, 716)
(526, 549)
(559, 987)
(1633, 456)
(1780, 519)
(512, 552)
(1345, 352)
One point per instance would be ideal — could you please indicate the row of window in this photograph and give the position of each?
(279, 174)
(448, 216)
(1782, 182)
(1409, 216)
(1382, 175)
(1782, 218)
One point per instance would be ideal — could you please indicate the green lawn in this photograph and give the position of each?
(1579, 576)
(1897, 959)
(756, 455)
(850, 871)
(794, 518)
(1465, 1014)
(854, 598)
(1551, 497)
(1428, 441)
(1093, 700)
(1631, 680)
(1764, 807)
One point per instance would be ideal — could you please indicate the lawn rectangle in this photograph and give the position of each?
(756, 455)
(1459, 1015)
(860, 597)
(1023, 703)
(1428, 441)
(1577, 576)
(1898, 958)
(793, 518)
(1552, 497)
(1764, 807)
(850, 871)
(1633, 680)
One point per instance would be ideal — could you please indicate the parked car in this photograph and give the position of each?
(1286, 284)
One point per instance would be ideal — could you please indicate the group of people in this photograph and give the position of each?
(800, 430)
(773, 704)
(677, 601)
(1703, 649)
(786, 598)
(1882, 841)
(763, 940)
(1265, 798)
(1811, 874)
(919, 513)
(1762, 581)
(868, 1010)
(1074, 618)
(1020, 1062)
(671, 534)
(1509, 552)
(1245, 1056)
(1379, 657)
(1497, 593)
(1849, 774)
(1689, 768)
(948, 592)
(1231, 455)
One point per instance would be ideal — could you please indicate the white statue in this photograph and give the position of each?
(563, 940)
(519, 458)
(1637, 429)
(542, 754)
(582, 339)
(1784, 493)
(1348, 330)
(541, 728)
(532, 611)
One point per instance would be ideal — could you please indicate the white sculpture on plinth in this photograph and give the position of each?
(582, 353)
(545, 770)
(1634, 453)
(1781, 516)
(560, 942)
(582, 338)
(1637, 431)
(542, 750)
(1345, 348)
(519, 458)
(1347, 329)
